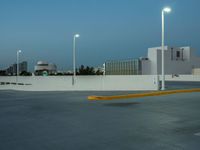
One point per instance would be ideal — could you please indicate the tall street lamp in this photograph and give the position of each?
(165, 10)
(18, 52)
(74, 58)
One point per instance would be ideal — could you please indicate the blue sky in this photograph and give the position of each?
(109, 29)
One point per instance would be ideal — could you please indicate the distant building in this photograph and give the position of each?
(178, 60)
(69, 72)
(123, 67)
(12, 70)
(99, 70)
(23, 66)
(44, 68)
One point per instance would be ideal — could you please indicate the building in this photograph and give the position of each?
(99, 70)
(123, 67)
(178, 60)
(12, 70)
(44, 68)
(23, 66)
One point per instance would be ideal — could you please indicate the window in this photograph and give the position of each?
(178, 54)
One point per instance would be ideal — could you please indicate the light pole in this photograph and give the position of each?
(74, 58)
(18, 52)
(165, 10)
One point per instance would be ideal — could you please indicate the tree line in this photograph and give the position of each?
(82, 70)
(85, 70)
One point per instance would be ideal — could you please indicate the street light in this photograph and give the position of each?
(74, 58)
(18, 52)
(165, 10)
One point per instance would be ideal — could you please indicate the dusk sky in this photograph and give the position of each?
(109, 29)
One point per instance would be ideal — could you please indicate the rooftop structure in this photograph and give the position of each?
(178, 60)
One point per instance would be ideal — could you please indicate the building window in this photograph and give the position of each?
(178, 54)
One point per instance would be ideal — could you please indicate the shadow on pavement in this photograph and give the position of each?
(122, 104)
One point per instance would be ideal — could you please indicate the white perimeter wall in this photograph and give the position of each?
(192, 78)
(83, 83)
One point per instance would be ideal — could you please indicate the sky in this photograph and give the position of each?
(109, 29)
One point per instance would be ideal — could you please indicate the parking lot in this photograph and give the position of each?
(67, 120)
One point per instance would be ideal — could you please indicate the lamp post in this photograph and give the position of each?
(18, 52)
(165, 10)
(74, 58)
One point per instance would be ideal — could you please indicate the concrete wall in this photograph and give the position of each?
(146, 66)
(196, 71)
(192, 78)
(83, 83)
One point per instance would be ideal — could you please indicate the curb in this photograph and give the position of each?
(158, 93)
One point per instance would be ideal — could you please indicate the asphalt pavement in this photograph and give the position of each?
(68, 121)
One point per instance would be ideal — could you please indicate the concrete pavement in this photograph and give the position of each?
(67, 120)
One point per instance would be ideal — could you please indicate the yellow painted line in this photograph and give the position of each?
(139, 95)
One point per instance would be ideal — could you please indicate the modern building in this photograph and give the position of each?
(123, 67)
(45, 68)
(23, 66)
(178, 60)
(12, 70)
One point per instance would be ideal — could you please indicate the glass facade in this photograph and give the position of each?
(124, 67)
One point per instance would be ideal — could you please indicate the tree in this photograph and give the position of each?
(81, 70)
(25, 73)
(85, 70)
(3, 73)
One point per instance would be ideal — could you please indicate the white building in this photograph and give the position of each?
(44, 67)
(178, 60)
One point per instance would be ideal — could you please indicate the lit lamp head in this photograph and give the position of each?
(167, 9)
(19, 51)
(76, 35)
